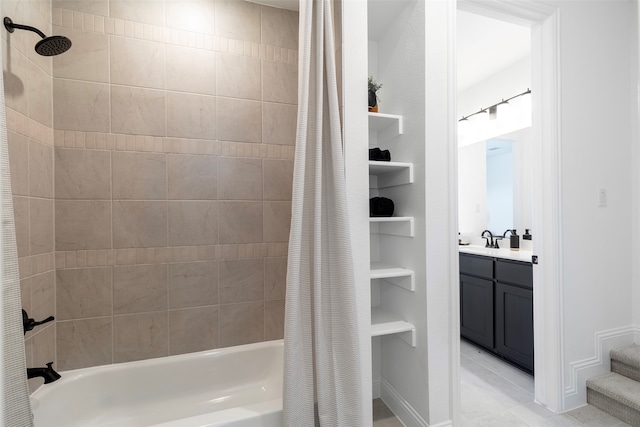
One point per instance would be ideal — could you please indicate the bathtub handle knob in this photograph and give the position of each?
(28, 323)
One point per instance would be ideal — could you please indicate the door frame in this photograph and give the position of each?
(544, 22)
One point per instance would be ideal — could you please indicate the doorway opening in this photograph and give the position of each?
(494, 200)
(542, 22)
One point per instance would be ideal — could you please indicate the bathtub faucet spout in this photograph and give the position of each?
(47, 373)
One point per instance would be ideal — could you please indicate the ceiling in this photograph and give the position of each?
(486, 46)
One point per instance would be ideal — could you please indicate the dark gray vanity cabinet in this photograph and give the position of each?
(476, 299)
(496, 306)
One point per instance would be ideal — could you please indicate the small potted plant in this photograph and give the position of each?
(373, 95)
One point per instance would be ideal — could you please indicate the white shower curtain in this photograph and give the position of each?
(15, 410)
(322, 384)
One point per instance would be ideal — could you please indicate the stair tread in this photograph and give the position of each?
(617, 387)
(629, 355)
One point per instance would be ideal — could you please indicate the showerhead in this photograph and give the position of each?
(53, 45)
(48, 46)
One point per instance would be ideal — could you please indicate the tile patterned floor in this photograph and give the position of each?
(495, 394)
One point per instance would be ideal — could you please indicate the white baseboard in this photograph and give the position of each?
(399, 406)
(375, 387)
(575, 393)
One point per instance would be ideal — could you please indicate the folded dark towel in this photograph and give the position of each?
(379, 155)
(380, 206)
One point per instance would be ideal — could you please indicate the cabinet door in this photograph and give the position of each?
(476, 310)
(514, 324)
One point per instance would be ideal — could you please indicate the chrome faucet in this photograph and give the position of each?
(47, 373)
(489, 239)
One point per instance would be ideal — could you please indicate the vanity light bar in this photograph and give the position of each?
(493, 107)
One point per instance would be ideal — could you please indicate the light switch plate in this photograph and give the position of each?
(602, 197)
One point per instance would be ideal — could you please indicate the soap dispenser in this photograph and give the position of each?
(514, 241)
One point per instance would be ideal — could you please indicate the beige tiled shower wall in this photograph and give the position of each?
(28, 89)
(174, 127)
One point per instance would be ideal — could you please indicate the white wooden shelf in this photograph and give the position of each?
(401, 277)
(390, 174)
(379, 121)
(387, 125)
(383, 323)
(393, 225)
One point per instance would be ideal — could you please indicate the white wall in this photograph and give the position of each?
(441, 216)
(598, 88)
(523, 181)
(508, 82)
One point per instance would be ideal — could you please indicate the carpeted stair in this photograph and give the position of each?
(618, 392)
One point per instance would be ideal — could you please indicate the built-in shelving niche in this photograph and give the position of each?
(384, 127)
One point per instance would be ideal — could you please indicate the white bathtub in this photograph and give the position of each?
(237, 386)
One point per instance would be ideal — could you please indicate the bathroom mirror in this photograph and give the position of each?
(494, 184)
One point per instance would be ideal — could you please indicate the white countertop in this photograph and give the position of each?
(505, 253)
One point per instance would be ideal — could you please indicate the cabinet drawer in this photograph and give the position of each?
(518, 273)
(476, 265)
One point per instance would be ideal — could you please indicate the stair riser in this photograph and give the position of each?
(613, 407)
(628, 371)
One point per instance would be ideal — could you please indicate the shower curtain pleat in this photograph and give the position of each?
(15, 409)
(322, 384)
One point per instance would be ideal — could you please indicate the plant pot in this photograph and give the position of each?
(373, 101)
(373, 109)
